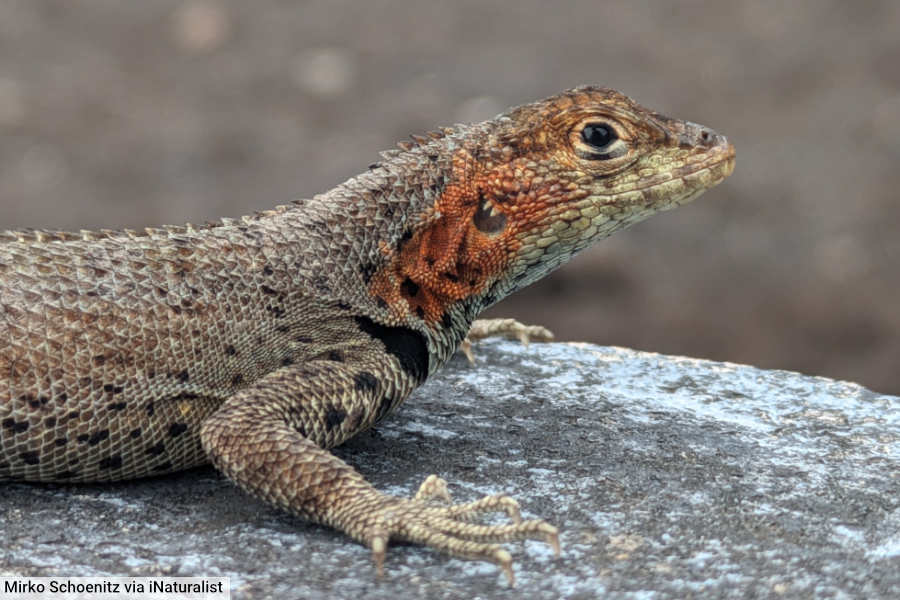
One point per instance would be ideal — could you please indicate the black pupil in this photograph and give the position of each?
(598, 135)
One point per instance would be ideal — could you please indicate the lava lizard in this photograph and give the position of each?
(258, 343)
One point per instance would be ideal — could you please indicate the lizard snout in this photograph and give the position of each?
(694, 135)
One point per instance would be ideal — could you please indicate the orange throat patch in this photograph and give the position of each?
(468, 243)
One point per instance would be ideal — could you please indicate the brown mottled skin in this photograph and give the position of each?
(259, 343)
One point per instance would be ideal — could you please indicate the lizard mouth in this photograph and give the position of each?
(718, 163)
(706, 171)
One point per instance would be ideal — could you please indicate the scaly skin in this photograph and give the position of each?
(258, 343)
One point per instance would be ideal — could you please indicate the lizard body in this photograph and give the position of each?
(259, 343)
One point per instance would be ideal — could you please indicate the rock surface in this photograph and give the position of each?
(668, 478)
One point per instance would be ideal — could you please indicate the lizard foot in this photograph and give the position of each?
(430, 519)
(509, 328)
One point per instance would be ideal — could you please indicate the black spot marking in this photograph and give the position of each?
(406, 345)
(303, 339)
(60, 441)
(99, 360)
(365, 382)
(63, 397)
(237, 379)
(268, 291)
(420, 312)
(135, 433)
(367, 270)
(163, 466)
(83, 437)
(381, 303)
(446, 320)
(183, 377)
(176, 429)
(66, 474)
(15, 427)
(278, 311)
(450, 276)
(384, 407)
(118, 405)
(287, 361)
(50, 422)
(230, 350)
(282, 329)
(98, 437)
(321, 284)
(267, 270)
(344, 306)
(335, 356)
(113, 389)
(150, 409)
(110, 462)
(409, 287)
(30, 458)
(334, 417)
(156, 449)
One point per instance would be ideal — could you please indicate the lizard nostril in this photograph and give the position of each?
(693, 135)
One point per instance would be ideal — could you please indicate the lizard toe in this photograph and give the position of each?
(450, 530)
(509, 328)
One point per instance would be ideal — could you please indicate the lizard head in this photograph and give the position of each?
(522, 193)
(576, 167)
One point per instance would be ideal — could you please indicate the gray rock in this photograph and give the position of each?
(668, 477)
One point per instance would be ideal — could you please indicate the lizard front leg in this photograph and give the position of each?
(271, 438)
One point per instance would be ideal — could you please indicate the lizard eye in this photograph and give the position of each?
(599, 135)
(595, 140)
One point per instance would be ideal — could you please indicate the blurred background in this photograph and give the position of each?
(120, 114)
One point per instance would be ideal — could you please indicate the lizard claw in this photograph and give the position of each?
(449, 528)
